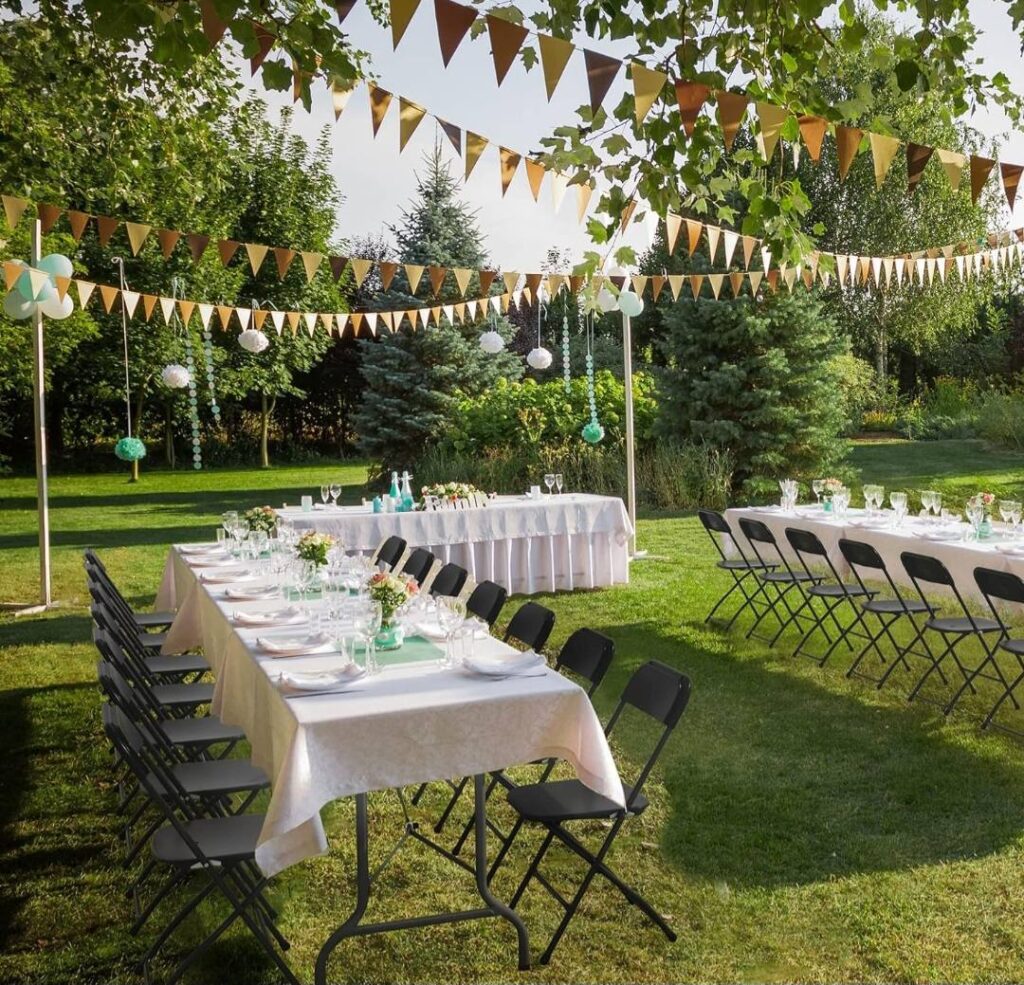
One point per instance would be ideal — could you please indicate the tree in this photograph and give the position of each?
(412, 377)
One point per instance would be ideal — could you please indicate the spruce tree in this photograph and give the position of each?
(412, 378)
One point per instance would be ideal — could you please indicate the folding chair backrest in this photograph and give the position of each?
(714, 522)
(588, 654)
(757, 532)
(861, 555)
(922, 567)
(449, 581)
(531, 625)
(418, 564)
(486, 601)
(805, 542)
(389, 552)
(1002, 585)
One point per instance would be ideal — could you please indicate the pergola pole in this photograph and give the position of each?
(39, 414)
(627, 372)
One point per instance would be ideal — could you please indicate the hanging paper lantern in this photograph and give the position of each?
(539, 358)
(630, 303)
(592, 432)
(25, 299)
(57, 308)
(253, 340)
(16, 307)
(175, 376)
(492, 342)
(606, 301)
(130, 449)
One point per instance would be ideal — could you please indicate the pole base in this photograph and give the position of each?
(25, 609)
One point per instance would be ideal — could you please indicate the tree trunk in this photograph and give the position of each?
(881, 356)
(266, 410)
(169, 435)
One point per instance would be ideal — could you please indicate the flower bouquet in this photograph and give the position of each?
(829, 488)
(314, 546)
(261, 518)
(392, 592)
(979, 513)
(448, 493)
(982, 501)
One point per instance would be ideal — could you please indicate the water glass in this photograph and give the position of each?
(451, 615)
(222, 535)
(818, 486)
(558, 482)
(898, 501)
(335, 493)
(549, 481)
(366, 619)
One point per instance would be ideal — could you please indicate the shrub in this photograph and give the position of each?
(1000, 418)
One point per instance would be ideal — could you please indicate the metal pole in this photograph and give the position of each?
(39, 414)
(627, 367)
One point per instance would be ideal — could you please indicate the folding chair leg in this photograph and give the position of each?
(1008, 693)
(454, 799)
(532, 870)
(934, 667)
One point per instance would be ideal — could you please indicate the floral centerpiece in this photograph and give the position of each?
(983, 501)
(392, 591)
(314, 546)
(261, 518)
(829, 488)
(449, 492)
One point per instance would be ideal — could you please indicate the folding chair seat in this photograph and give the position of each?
(486, 601)
(418, 564)
(953, 630)
(182, 695)
(449, 581)
(656, 691)
(227, 839)
(389, 552)
(143, 620)
(1006, 587)
(531, 625)
(743, 569)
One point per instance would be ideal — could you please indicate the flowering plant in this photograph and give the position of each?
(450, 491)
(832, 486)
(982, 500)
(313, 546)
(392, 591)
(261, 518)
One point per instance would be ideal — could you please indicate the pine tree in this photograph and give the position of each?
(411, 377)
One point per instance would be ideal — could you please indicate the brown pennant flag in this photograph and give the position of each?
(284, 258)
(108, 295)
(847, 144)
(981, 168)
(355, 320)
(78, 221)
(509, 163)
(883, 150)
(380, 100)
(14, 208)
(619, 280)
(264, 42)
(1011, 178)
(953, 164)
(437, 276)
(771, 119)
(409, 118)
(337, 266)
(554, 56)
(731, 108)
(749, 243)
(106, 226)
(918, 155)
(48, 216)
(257, 253)
(452, 132)
(658, 282)
(402, 12)
(227, 248)
(168, 239)
(486, 279)
(772, 279)
(506, 41)
(533, 282)
(812, 129)
(185, 308)
(340, 95)
(693, 231)
(691, 97)
(601, 72)
(462, 276)
(214, 25)
(535, 172)
(360, 268)
(626, 215)
(387, 273)
(673, 223)
(197, 245)
(148, 304)
(453, 21)
(475, 146)
(696, 283)
(343, 8)
(413, 273)
(311, 263)
(576, 282)
(647, 86)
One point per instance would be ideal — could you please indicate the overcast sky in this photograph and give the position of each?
(377, 182)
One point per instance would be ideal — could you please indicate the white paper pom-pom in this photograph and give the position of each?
(492, 342)
(253, 340)
(175, 376)
(539, 358)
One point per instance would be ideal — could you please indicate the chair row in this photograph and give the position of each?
(810, 595)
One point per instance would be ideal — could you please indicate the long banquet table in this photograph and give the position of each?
(947, 542)
(411, 723)
(560, 542)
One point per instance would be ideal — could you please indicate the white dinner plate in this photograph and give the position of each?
(296, 646)
(506, 665)
(326, 680)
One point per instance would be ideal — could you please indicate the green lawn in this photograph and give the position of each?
(803, 826)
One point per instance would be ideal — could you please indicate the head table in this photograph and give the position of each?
(558, 542)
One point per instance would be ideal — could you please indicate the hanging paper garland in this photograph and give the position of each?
(208, 351)
(128, 448)
(566, 369)
(592, 431)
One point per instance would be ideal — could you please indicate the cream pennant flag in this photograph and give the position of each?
(977, 264)
(876, 270)
(14, 208)
(640, 284)
(166, 309)
(277, 319)
(716, 281)
(930, 267)
(340, 95)
(311, 263)
(673, 223)
(888, 263)
(960, 267)
(730, 239)
(309, 317)
(137, 233)
(755, 277)
(766, 259)
(495, 303)
(38, 279)
(462, 276)
(647, 86)
(943, 267)
(244, 316)
(826, 277)
(919, 268)
(360, 268)
(841, 264)
(424, 314)
(883, 150)
(749, 244)
(901, 266)
(772, 118)
(327, 320)
(410, 116)
(205, 314)
(675, 285)
(341, 321)
(257, 253)
(449, 312)
(414, 273)
(559, 184)
(713, 234)
(371, 321)
(85, 289)
(583, 193)
(130, 300)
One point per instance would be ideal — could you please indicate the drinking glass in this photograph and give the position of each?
(451, 614)
(549, 481)
(335, 493)
(817, 486)
(976, 515)
(228, 518)
(221, 536)
(366, 619)
(305, 578)
(558, 482)
(1005, 509)
(898, 501)
(1015, 515)
(325, 494)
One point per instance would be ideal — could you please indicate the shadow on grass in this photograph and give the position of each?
(70, 628)
(777, 779)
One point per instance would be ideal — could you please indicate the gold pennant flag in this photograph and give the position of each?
(863, 265)
(401, 14)
(453, 21)
(413, 272)
(284, 258)
(736, 283)
(12, 271)
(755, 277)
(78, 221)
(257, 254)
(311, 263)
(168, 239)
(387, 271)
(462, 276)
(360, 268)
(535, 172)
(185, 309)
(380, 100)
(224, 313)
(713, 234)
(749, 243)
(227, 248)
(812, 130)
(847, 145)
(772, 118)
(14, 208)
(583, 193)
(716, 281)
(647, 86)
(293, 321)
(506, 41)
(511, 278)
(693, 231)
(409, 118)
(475, 146)
(883, 150)
(554, 56)
(1011, 179)
(673, 223)
(601, 72)
(48, 216)
(85, 289)
(627, 214)
(981, 168)
(731, 108)
(437, 276)
(691, 97)
(340, 95)
(509, 163)
(148, 304)
(356, 320)
(108, 295)
(259, 317)
(137, 233)
(328, 322)
(918, 155)
(953, 164)
(696, 283)
(106, 226)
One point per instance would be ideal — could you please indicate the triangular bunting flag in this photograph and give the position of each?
(847, 144)
(213, 24)
(340, 95)
(106, 226)
(167, 309)
(812, 130)
(356, 320)
(309, 317)
(583, 193)
(918, 155)
(387, 273)
(486, 279)
(771, 119)
(730, 239)
(264, 42)
(148, 305)
(257, 253)
(475, 146)
(259, 316)
(227, 248)
(716, 281)
(535, 172)
(673, 223)
(749, 243)
(658, 282)
(696, 283)
(452, 132)
(409, 118)
(755, 277)
(953, 164)
(380, 100)
(509, 163)
(14, 209)
(338, 265)
(713, 234)
(413, 273)
(506, 41)
(647, 86)
(78, 221)
(130, 300)
(736, 283)
(48, 216)
(554, 56)
(168, 239)
(401, 14)
(462, 276)
(731, 108)
(277, 319)
(311, 263)
(691, 97)
(137, 233)
(601, 72)
(360, 268)
(343, 8)
(185, 309)
(437, 276)
(453, 21)
(205, 314)
(693, 231)
(224, 313)
(1011, 178)
(559, 185)
(981, 168)
(284, 258)
(197, 245)
(108, 295)
(293, 318)
(883, 150)
(675, 285)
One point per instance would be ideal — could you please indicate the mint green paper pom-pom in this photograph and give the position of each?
(130, 450)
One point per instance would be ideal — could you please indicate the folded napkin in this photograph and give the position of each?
(324, 681)
(209, 560)
(226, 577)
(201, 549)
(949, 533)
(281, 617)
(320, 643)
(254, 594)
(507, 665)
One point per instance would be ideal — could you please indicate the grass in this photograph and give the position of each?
(803, 826)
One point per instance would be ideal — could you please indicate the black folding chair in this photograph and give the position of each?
(418, 564)
(954, 630)
(449, 581)
(742, 569)
(486, 601)
(390, 552)
(1003, 586)
(887, 612)
(144, 620)
(531, 625)
(102, 589)
(780, 582)
(832, 594)
(656, 691)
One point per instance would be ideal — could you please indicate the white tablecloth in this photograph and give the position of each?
(961, 557)
(409, 724)
(575, 540)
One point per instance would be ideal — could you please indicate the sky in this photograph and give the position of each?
(377, 182)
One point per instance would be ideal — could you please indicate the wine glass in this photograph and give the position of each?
(366, 618)
(325, 494)
(305, 577)
(937, 503)
(818, 486)
(1015, 514)
(451, 614)
(228, 519)
(927, 501)
(558, 482)
(549, 481)
(335, 493)
(1005, 509)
